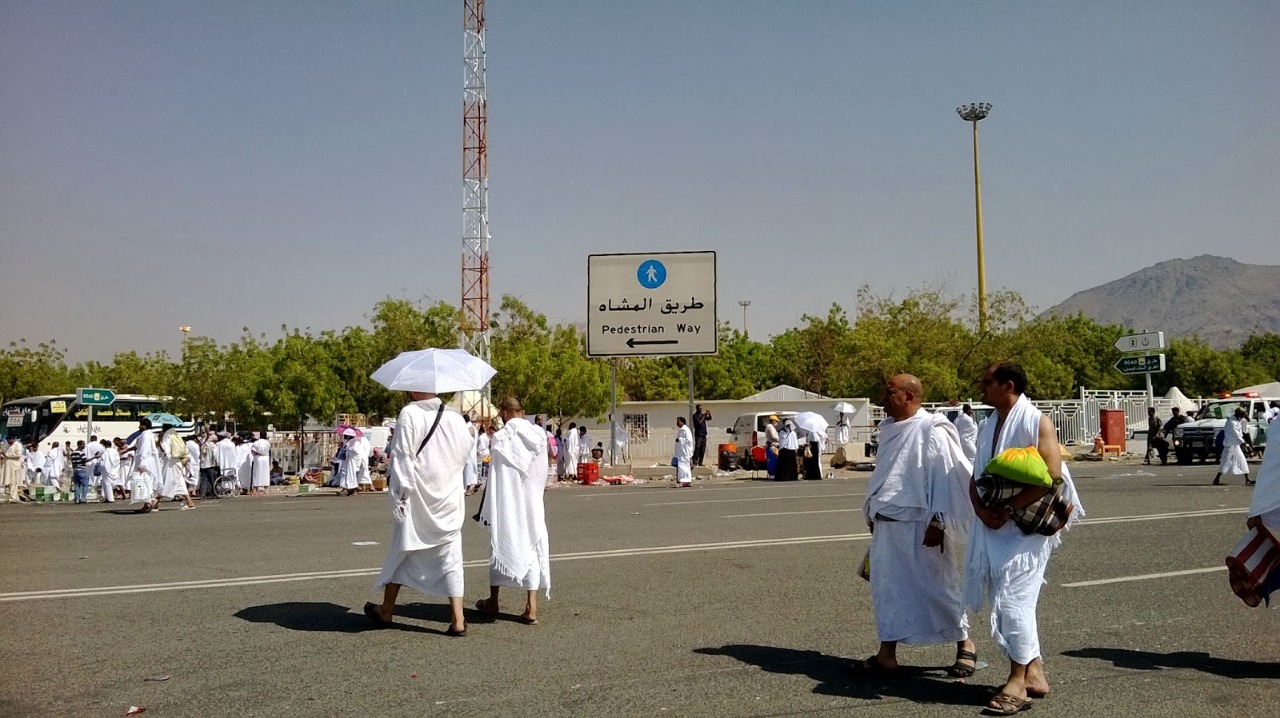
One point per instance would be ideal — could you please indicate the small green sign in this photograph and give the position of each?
(95, 397)
(1148, 364)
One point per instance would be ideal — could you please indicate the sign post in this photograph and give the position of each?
(1147, 341)
(90, 398)
(658, 304)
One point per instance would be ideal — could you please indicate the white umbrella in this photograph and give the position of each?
(434, 371)
(811, 422)
(845, 407)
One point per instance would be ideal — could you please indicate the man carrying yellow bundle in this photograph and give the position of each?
(1022, 505)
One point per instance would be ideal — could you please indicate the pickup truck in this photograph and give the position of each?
(1197, 440)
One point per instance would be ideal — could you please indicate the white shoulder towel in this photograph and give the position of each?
(513, 509)
(921, 470)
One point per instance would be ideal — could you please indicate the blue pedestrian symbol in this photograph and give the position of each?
(651, 274)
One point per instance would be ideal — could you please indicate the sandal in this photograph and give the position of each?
(1003, 704)
(455, 633)
(371, 610)
(481, 606)
(873, 666)
(528, 621)
(959, 670)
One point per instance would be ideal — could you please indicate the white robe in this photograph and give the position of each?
(684, 455)
(146, 458)
(513, 508)
(427, 500)
(33, 462)
(1006, 567)
(260, 466)
(968, 430)
(921, 472)
(572, 451)
(244, 466)
(470, 475)
(842, 433)
(225, 456)
(192, 464)
(349, 469)
(620, 437)
(1233, 460)
(173, 478)
(1265, 501)
(109, 465)
(553, 458)
(54, 463)
(11, 470)
(365, 450)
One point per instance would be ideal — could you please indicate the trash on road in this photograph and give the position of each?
(364, 543)
(157, 678)
(135, 710)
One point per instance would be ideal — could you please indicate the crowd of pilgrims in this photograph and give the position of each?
(150, 465)
(355, 462)
(156, 463)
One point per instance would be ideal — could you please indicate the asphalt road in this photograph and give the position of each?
(733, 598)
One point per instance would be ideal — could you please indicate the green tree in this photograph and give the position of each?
(1262, 352)
(27, 370)
(818, 356)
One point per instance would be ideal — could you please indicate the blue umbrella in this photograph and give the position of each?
(161, 418)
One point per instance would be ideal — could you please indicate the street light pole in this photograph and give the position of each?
(745, 303)
(975, 112)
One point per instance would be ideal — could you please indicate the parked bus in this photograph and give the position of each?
(61, 418)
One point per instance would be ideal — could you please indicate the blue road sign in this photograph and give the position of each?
(651, 274)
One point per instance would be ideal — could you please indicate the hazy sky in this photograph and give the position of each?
(223, 164)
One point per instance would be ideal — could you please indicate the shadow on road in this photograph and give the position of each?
(315, 616)
(836, 676)
(1198, 660)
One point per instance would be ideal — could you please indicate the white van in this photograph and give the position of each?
(748, 432)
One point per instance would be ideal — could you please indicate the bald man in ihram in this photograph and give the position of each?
(917, 506)
(513, 512)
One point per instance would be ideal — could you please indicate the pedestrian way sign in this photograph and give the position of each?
(651, 304)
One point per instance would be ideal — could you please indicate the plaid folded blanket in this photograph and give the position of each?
(1046, 516)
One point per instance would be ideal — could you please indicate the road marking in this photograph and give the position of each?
(573, 556)
(357, 572)
(755, 498)
(1162, 517)
(791, 513)
(1091, 522)
(698, 485)
(1144, 577)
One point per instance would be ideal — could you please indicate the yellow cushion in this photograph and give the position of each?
(1021, 465)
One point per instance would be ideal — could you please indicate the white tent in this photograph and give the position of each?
(1270, 389)
(783, 392)
(1180, 400)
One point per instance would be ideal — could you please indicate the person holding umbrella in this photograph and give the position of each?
(430, 450)
(814, 426)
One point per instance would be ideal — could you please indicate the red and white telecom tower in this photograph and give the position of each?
(475, 198)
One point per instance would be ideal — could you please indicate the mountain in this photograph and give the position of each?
(1220, 299)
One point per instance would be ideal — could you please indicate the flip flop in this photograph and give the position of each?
(1006, 705)
(1030, 693)
(956, 670)
(528, 621)
(480, 606)
(371, 610)
(453, 633)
